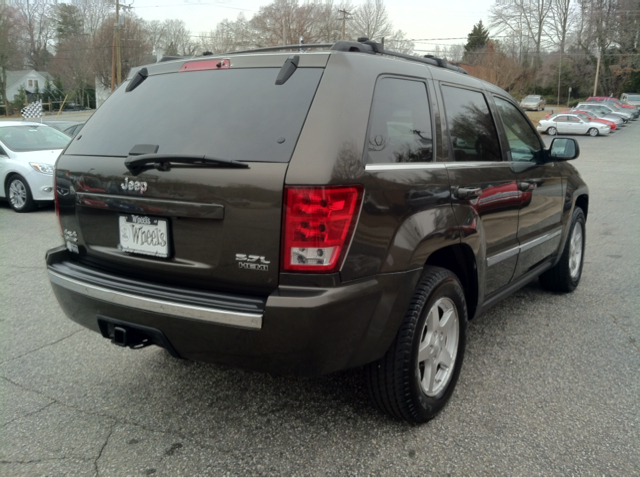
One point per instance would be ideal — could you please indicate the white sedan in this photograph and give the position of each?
(563, 123)
(28, 152)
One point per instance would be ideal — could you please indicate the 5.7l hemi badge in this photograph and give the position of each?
(255, 263)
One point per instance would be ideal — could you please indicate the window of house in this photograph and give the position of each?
(400, 123)
(30, 83)
(471, 128)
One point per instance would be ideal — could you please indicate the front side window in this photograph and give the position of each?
(471, 127)
(524, 143)
(400, 124)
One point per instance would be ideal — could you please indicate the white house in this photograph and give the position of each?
(29, 79)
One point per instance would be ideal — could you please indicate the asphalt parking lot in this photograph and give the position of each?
(550, 383)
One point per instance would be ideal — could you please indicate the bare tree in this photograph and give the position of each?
(561, 19)
(175, 33)
(284, 23)
(399, 42)
(94, 13)
(155, 31)
(135, 47)
(9, 53)
(371, 20)
(528, 18)
(36, 32)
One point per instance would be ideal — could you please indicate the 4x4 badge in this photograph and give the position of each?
(134, 185)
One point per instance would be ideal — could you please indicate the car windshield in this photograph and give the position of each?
(32, 138)
(582, 116)
(532, 98)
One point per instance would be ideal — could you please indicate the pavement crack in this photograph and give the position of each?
(632, 339)
(26, 414)
(41, 347)
(104, 445)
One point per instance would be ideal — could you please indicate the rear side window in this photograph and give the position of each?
(229, 114)
(400, 123)
(471, 128)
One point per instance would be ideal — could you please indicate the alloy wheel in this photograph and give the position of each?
(438, 347)
(17, 194)
(575, 251)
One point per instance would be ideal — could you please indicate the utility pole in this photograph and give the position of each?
(559, 72)
(595, 84)
(116, 57)
(344, 22)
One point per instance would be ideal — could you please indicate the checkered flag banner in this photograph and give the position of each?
(34, 110)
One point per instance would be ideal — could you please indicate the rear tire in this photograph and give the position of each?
(552, 131)
(19, 194)
(565, 275)
(593, 132)
(416, 377)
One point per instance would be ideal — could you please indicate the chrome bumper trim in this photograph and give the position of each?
(205, 314)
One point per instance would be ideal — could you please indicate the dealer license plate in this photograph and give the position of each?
(144, 235)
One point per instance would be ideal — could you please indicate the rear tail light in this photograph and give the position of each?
(317, 227)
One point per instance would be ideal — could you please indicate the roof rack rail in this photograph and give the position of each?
(363, 45)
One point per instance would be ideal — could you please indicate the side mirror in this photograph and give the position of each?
(563, 149)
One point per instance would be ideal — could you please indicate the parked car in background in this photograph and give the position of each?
(589, 116)
(615, 119)
(533, 102)
(606, 109)
(611, 100)
(631, 99)
(570, 123)
(28, 152)
(615, 104)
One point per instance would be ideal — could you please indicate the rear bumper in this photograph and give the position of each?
(295, 330)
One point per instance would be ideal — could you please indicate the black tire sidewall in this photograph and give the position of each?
(427, 407)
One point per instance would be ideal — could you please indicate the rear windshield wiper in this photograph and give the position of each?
(164, 162)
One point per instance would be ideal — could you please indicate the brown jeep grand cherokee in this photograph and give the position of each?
(303, 213)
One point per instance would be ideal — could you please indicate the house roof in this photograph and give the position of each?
(16, 77)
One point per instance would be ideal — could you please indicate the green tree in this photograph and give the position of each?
(477, 39)
(20, 99)
(68, 22)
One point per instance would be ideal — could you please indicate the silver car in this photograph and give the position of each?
(568, 123)
(606, 109)
(533, 102)
(28, 152)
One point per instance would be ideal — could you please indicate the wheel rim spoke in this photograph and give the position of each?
(575, 251)
(438, 346)
(17, 194)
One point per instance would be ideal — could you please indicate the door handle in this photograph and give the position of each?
(526, 186)
(467, 193)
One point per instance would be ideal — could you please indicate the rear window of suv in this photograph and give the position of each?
(229, 114)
